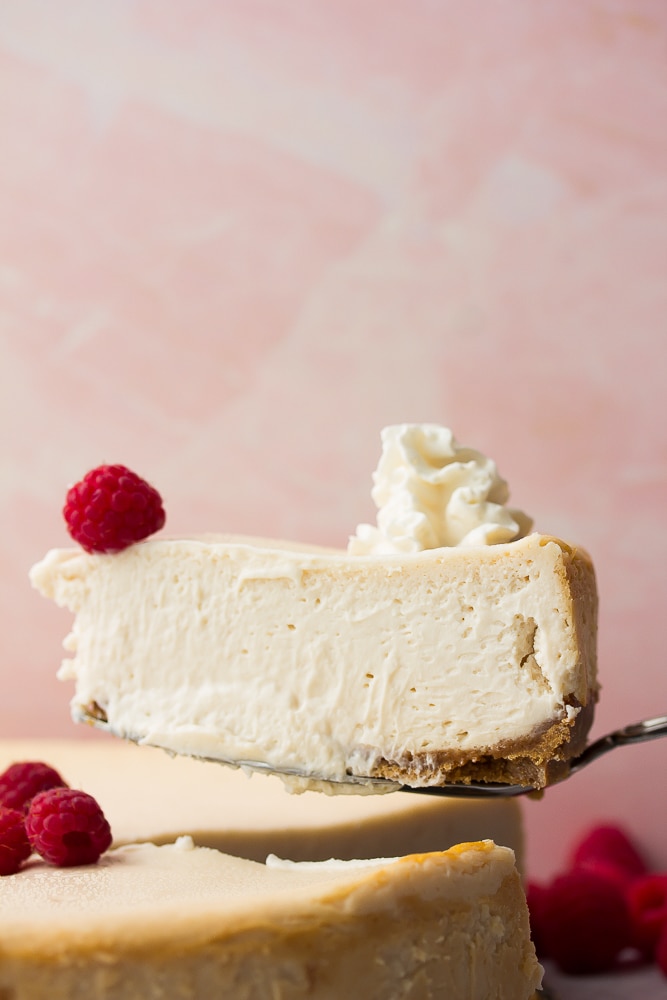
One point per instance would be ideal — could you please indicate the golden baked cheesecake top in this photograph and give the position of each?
(181, 921)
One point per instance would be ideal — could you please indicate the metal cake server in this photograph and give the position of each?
(636, 732)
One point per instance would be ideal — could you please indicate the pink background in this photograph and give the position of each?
(237, 238)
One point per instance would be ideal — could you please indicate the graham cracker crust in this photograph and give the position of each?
(535, 761)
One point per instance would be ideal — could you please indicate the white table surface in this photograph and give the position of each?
(643, 984)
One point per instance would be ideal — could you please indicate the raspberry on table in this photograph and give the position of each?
(647, 903)
(585, 922)
(661, 951)
(111, 508)
(536, 897)
(20, 782)
(67, 827)
(14, 844)
(609, 850)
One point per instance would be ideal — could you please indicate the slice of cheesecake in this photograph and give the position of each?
(148, 796)
(474, 662)
(184, 922)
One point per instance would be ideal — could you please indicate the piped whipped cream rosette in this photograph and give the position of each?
(431, 492)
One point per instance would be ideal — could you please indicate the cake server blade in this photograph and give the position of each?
(636, 732)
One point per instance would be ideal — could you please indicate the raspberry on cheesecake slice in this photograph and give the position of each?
(447, 644)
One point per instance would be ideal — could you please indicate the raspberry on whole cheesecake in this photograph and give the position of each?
(111, 508)
(67, 827)
(20, 782)
(14, 844)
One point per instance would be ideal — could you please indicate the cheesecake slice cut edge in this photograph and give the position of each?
(451, 664)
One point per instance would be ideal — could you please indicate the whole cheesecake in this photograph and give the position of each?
(185, 923)
(446, 644)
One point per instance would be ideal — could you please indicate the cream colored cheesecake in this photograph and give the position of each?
(184, 923)
(443, 665)
(148, 796)
(446, 644)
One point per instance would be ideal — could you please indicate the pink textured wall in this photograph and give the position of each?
(238, 238)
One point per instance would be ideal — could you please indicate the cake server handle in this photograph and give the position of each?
(636, 732)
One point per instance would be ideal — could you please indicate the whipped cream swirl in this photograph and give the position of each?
(431, 492)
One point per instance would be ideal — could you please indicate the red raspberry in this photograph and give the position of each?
(585, 922)
(647, 903)
(536, 896)
(14, 844)
(67, 827)
(609, 851)
(21, 782)
(661, 951)
(112, 508)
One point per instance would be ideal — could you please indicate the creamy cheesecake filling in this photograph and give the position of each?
(345, 662)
